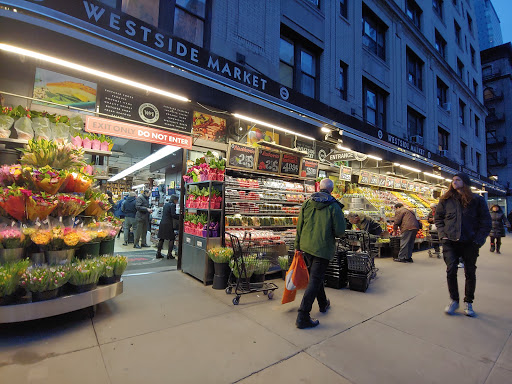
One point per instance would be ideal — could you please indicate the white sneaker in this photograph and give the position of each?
(452, 307)
(468, 310)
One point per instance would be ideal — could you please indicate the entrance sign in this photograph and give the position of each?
(136, 132)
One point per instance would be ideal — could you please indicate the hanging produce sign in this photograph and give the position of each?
(290, 164)
(398, 183)
(410, 186)
(403, 184)
(364, 177)
(417, 187)
(309, 168)
(345, 173)
(268, 161)
(390, 182)
(382, 180)
(374, 179)
(241, 156)
(305, 147)
(136, 132)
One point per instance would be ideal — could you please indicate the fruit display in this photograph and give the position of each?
(412, 202)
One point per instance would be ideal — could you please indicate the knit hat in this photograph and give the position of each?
(464, 178)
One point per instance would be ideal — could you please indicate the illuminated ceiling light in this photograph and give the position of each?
(161, 153)
(473, 187)
(250, 119)
(91, 71)
(448, 180)
(397, 164)
(374, 157)
(342, 148)
(325, 130)
(410, 168)
(433, 175)
(138, 186)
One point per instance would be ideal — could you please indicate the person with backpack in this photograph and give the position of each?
(129, 210)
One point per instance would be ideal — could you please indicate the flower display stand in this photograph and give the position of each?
(60, 305)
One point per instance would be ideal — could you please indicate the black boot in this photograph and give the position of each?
(159, 256)
(492, 247)
(305, 321)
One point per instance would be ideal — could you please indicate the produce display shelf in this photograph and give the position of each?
(259, 227)
(102, 177)
(228, 199)
(204, 209)
(21, 142)
(264, 214)
(97, 152)
(206, 182)
(266, 190)
(41, 309)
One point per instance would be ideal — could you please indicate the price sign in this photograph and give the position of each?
(364, 177)
(403, 184)
(374, 179)
(410, 186)
(390, 182)
(417, 187)
(290, 164)
(268, 161)
(241, 156)
(309, 168)
(382, 180)
(398, 183)
(345, 173)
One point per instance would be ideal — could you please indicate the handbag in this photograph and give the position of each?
(297, 277)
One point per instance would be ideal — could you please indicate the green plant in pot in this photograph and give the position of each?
(85, 274)
(10, 275)
(220, 257)
(120, 267)
(261, 266)
(250, 266)
(283, 263)
(44, 282)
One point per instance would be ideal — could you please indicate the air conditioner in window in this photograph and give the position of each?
(443, 152)
(447, 106)
(417, 139)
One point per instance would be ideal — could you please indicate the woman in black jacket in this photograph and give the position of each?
(463, 222)
(166, 227)
(499, 221)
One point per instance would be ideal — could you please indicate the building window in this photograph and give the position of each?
(477, 126)
(443, 138)
(343, 80)
(460, 69)
(486, 71)
(457, 34)
(463, 148)
(478, 161)
(374, 33)
(472, 52)
(316, 3)
(442, 93)
(462, 111)
(414, 123)
(297, 66)
(344, 8)
(414, 12)
(414, 69)
(183, 18)
(475, 87)
(438, 7)
(470, 24)
(374, 105)
(440, 44)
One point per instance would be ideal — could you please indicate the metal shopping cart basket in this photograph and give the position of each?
(363, 243)
(248, 257)
(434, 242)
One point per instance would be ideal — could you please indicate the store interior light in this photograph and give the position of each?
(161, 153)
(325, 130)
(91, 71)
(406, 167)
(342, 148)
(433, 175)
(448, 180)
(138, 186)
(254, 121)
(375, 157)
(473, 187)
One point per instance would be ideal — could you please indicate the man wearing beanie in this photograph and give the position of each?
(463, 222)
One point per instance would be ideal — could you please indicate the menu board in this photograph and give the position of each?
(398, 183)
(403, 184)
(241, 156)
(309, 168)
(364, 177)
(374, 179)
(382, 180)
(345, 173)
(390, 182)
(290, 164)
(268, 161)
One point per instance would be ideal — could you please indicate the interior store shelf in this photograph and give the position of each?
(266, 190)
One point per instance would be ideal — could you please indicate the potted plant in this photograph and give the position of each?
(109, 265)
(10, 275)
(261, 266)
(121, 264)
(61, 247)
(237, 267)
(85, 275)
(87, 141)
(44, 283)
(283, 263)
(12, 244)
(220, 257)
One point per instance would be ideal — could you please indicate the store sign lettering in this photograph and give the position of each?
(405, 145)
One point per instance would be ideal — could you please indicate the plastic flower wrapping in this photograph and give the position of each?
(44, 279)
(86, 272)
(111, 224)
(40, 153)
(47, 179)
(10, 275)
(12, 201)
(77, 181)
(13, 237)
(99, 203)
(40, 205)
(11, 174)
(121, 264)
(69, 205)
(220, 254)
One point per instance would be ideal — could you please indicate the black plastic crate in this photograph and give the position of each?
(359, 262)
(359, 282)
(335, 282)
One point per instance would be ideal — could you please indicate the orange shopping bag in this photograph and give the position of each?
(297, 277)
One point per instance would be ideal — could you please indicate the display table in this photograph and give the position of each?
(41, 309)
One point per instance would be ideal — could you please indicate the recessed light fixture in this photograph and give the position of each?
(255, 121)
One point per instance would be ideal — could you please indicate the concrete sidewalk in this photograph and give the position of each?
(168, 328)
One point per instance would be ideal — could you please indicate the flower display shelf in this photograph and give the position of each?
(38, 310)
(22, 142)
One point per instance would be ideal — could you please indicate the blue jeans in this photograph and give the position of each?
(315, 289)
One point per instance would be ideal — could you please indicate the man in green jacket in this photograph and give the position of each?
(321, 220)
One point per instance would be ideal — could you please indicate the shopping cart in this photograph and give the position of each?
(247, 258)
(434, 243)
(363, 243)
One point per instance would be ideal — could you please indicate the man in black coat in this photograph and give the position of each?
(166, 228)
(142, 218)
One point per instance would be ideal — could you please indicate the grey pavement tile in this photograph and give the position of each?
(505, 359)
(373, 352)
(152, 303)
(300, 368)
(499, 376)
(220, 349)
(424, 318)
(81, 367)
(22, 343)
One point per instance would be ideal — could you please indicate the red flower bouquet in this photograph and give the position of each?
(12, 200)
(48, 180)
(40, 206)
(69, 205)
(77, 182)
(99, 203)
(11, 174)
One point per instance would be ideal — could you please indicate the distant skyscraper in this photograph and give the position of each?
(488, 22)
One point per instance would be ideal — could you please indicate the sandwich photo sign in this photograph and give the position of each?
(65, 90)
